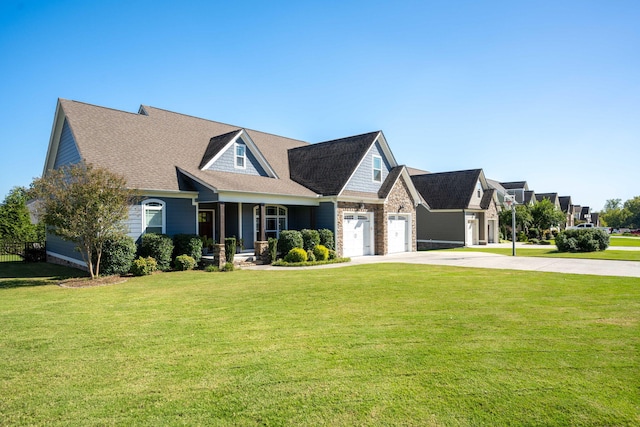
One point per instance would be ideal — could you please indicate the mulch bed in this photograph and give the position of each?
(86, 282)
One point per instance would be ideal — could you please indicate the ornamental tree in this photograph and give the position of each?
(85, 205)
(15, 220)
(546, 215)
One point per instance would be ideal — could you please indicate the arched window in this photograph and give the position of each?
(153, 216)
(275, 220)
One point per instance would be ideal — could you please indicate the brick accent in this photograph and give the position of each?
(398, 201)
(262, 251)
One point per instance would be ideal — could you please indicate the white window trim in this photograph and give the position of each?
(163, 208)
(256, 213)
(373, 169)
(236, 156)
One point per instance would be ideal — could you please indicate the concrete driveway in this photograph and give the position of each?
(487, 260)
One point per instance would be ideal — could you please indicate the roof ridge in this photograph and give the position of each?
(99, 106)
(225, 124)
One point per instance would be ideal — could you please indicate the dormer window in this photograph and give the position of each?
(241, 156)
(377, 169)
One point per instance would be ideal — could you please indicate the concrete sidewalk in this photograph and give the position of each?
(488, 260)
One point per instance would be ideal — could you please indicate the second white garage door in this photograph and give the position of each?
(397, 233)
(356, 236)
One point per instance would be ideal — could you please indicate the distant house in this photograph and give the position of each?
(461, 209)
(517, 189)
(567, 207)
(530, 198)
(217, 180)
(552, 197)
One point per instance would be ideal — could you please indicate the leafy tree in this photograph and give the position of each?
(84, 205)
(633, 207)
(15, 220)
(614, 214)
(545, 215)
(523, 219)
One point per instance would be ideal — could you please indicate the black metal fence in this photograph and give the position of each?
(23, 251)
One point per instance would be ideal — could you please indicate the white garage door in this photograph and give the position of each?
(397, 233)
(356, 237)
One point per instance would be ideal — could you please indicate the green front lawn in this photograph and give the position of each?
(385, 344)
(624, 241)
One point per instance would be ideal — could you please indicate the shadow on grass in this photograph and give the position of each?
(16, 274)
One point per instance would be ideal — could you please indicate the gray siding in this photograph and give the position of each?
(247, 225)
(180, 216)
(446, 226)
(326, 216)
(67, 149)
(62, 247)
(299, 217)
(226, 162)
(362, 179)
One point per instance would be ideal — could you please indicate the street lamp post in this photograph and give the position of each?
(510, 201)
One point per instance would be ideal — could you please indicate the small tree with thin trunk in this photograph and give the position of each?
(85, 205)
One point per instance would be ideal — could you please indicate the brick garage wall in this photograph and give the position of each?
(399, 196)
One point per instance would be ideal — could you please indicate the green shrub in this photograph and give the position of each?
(522, 237)
(311, 256)
(184, 262)
(310, 238)
(228, 266)
(188, 244)
(326, 238)
(230, 248)
(159, 247)
(582, 240)
(296, 255)
(211, 268)
(534, 241)
(321, 253)
(273, 249)
(332, 254)
(143, 266)
(288, 240)
(118, 253)
(534, 233)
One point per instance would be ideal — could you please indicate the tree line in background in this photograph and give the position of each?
(533, 221)
(621, 215)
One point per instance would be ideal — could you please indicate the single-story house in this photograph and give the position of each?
(460, 209)
(197, 176)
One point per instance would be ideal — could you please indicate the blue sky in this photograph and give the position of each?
(545, 91)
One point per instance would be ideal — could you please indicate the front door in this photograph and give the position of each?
(205, 224)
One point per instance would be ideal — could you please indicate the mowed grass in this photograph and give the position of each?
(624, 241)
(552, 252)
(385, 344)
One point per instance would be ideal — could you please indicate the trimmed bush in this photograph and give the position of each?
(522, 237)
(273, 249)
(296, 255)
(321, 253)
(582, 240)
(310, 238)
(184, 262)
(534, 233)
(188, 244)
(332, 254)
(288, 240)
(158, 247)
(534, 241)
(228, 266)
(326, 238)
(310, 256)
(143, 266)
(230, 248)
(211, 268)
(117, 255)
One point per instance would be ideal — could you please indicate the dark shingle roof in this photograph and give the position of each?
(553, 197)
(216, 144)
(528, 196)
(565, 203)
(388, 184)
(514, 185)
(326, 167)
(447, 190)
(487, 196)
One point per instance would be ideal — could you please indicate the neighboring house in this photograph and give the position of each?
(567, 207)
(517, 189)
(585, 214)
(552, 197)
(500, 190)
(461, 209)
(530, 198)
(197, 176)
(577, 210)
